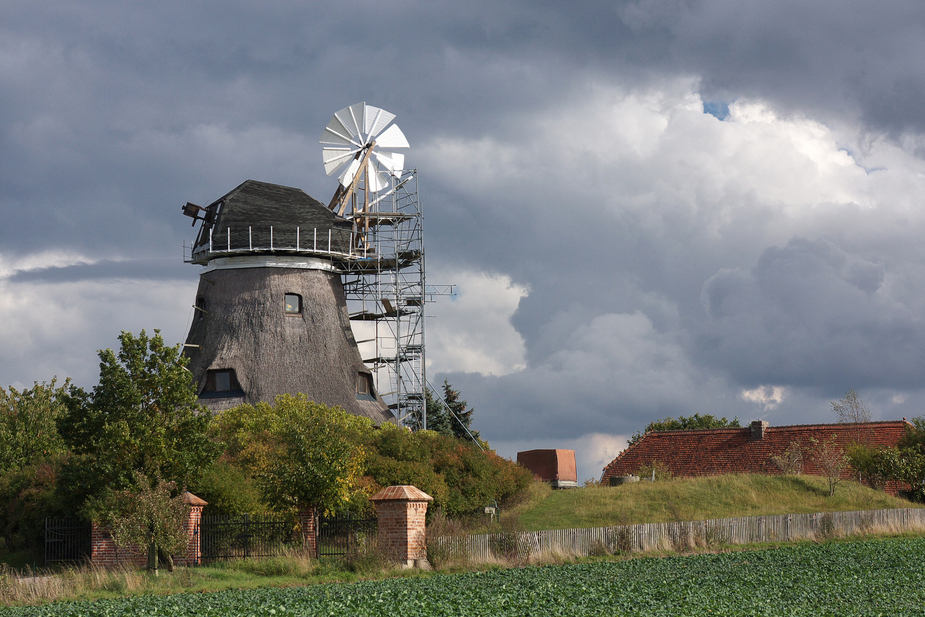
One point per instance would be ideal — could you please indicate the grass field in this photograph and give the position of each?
(683, 499)
(874, 577)
(692, 499)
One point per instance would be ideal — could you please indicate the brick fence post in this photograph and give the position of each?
(402, 535)
(308, 521)
(194, 544)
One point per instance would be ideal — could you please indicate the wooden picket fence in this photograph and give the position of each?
(654, 536)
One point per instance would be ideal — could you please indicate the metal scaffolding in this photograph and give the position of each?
(387, 291)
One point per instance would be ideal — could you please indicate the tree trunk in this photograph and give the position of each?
(152, 558)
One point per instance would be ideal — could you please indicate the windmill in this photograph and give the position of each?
(278, 267)
(271, 316)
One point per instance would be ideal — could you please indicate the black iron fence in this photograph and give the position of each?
(67, 540)
(228, 537)
(342, 533)
(239, 537)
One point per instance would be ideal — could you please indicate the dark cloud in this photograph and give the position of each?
(811, 314)
(574, 149)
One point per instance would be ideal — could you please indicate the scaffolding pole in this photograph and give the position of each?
(386, 291)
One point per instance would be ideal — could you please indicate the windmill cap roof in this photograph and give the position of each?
(260, 215)
(405, 492)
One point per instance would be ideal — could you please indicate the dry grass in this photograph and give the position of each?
(71, 583)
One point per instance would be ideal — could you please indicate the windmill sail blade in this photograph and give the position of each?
(347, 119)
(335, 158)
(393, 161)
(353, 137)
(347, 177)
(337, 133)
(376, 180)
(392, 137)
(376, 120)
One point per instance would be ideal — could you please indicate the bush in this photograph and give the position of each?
(229, 490)
(457, 474)
(27, 497)
(657, 470)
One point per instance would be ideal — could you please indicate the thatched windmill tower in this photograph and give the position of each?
(271, 316)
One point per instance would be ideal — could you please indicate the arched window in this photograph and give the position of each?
(293, 304)
(221, 383)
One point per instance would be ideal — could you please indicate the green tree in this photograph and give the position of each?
(683, 423)
(151, 516)
(438, 419)
(141, 417)
(912, 454)
(28, 430)
(904, 463)
(460, 418)
(461, 477)
(300, 453)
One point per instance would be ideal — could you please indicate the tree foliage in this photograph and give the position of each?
(851, 408)
(27, 496)
(904, 463)
(149, 516)
(790, 461)
(438, 420)
(683, 423)
(300, 453)
(142, 416)
(28, 430)
(459, 417)
(460, 476)
(830, 459)
(31, 455)
(451, 416)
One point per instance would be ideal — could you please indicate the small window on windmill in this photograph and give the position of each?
(293, 304)
(365, 387)
(221, 383)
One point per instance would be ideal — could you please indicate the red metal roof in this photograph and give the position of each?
(710, 452)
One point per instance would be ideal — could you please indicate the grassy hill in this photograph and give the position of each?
(693, 499)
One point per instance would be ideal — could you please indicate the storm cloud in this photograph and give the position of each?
(650, 208)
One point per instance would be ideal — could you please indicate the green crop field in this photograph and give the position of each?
(875, 577)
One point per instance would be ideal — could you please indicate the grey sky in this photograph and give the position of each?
(622, 254)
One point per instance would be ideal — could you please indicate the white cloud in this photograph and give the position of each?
(49, 329)
(768, 397)
(471, 331)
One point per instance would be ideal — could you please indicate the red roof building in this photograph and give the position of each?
(711, 452)
(554, 466)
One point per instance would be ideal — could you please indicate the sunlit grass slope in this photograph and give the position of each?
(694, 499)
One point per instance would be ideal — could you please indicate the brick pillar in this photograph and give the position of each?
(401, 511)
(194, 545)
(308, 521)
